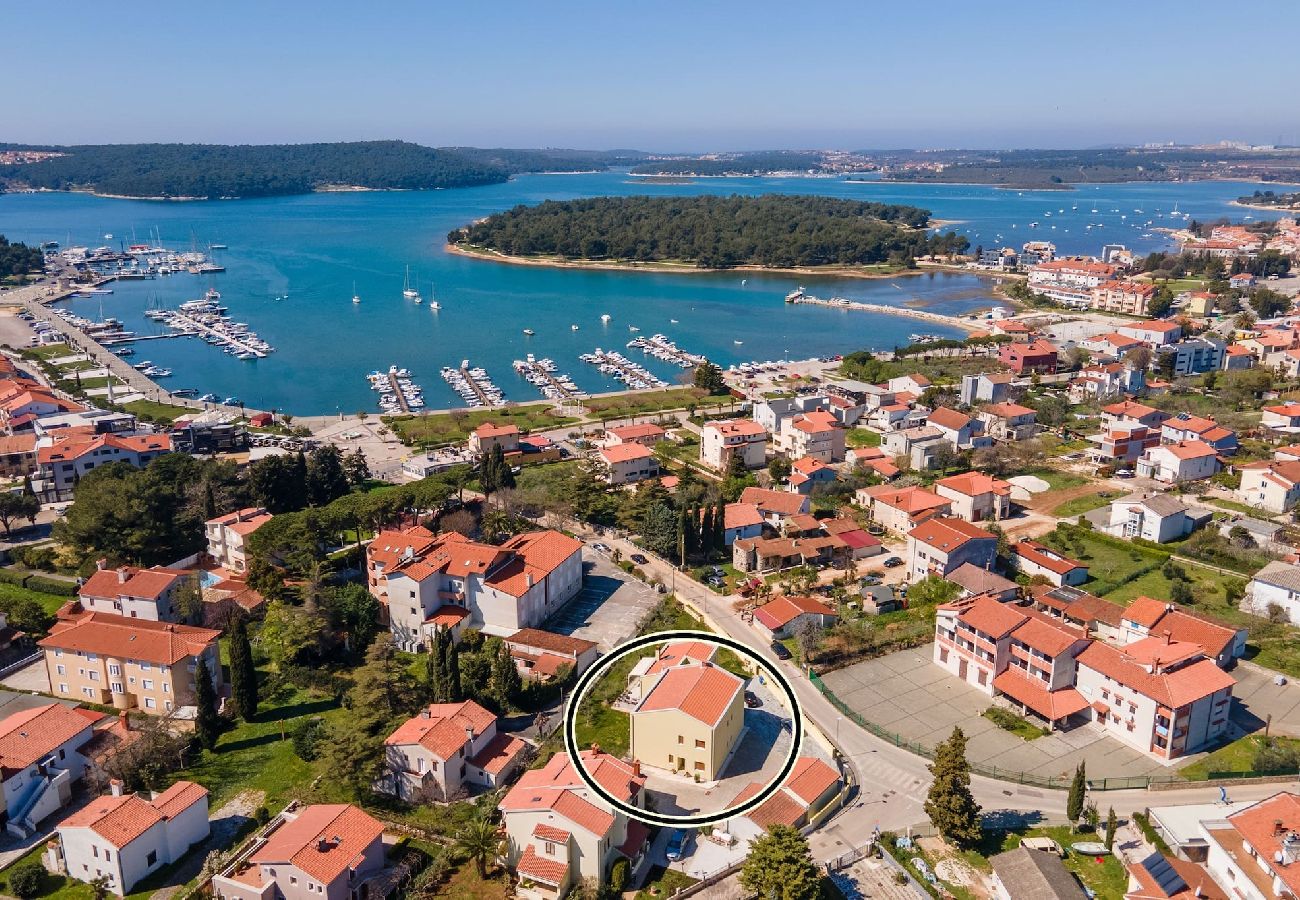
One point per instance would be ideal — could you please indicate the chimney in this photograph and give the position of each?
(124, 720)
(101, 564)
(528, 579)
(123, 573)
(115, 787)
(595, 749)
(636, 768)
(425, 714)
(1168, 636)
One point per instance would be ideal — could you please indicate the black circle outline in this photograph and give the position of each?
(659, 637)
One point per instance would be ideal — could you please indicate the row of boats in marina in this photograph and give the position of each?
(397, 391)
(619, 367)
(544, 375)
(473, 385)
(208, 319)
(660, 347)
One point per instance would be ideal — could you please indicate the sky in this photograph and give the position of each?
(659, 76)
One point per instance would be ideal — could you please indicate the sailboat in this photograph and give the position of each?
(356, 298)
(410, 293)
(433, 301)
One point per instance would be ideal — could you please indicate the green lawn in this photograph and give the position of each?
(157, 412)
(453, 427)
(642, 402)
(1233, 506)
(1105, 879)
(61, 887)
(1059, 481)
(1079, 505)
(661, 882)
(1017, 725)
(861, 437)
(11, 593)
(1240, 757)
(48, 351)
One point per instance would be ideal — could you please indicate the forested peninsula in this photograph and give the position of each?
(221, 171)
(773, 230)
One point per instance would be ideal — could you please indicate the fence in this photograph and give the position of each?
(1132, 782)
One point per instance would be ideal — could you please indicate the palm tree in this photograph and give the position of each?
(480, 842)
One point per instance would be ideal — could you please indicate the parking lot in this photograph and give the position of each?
(608, 607)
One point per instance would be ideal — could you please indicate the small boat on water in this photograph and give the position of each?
(605, 318)
(573, 327)
(633, 328)
(409, 292)
(529, 332)
(356, 298)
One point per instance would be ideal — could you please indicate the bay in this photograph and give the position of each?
(313, 248)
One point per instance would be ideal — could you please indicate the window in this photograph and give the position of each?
(150, 703)
(117, 687)
(166, 687)
(108, 855)
(680, 739)
(114, 669)
(168, 704)
(550, 848)
(94, 676)
(63, 688)
(58, 652)
(148, 684)
(699, 743)
(293, 879)
(151, 858)
(699, 766)
(94, 851)
(59, 668)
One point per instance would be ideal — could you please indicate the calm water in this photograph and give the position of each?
(313, 248)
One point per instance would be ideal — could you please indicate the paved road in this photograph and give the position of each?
(893, 781)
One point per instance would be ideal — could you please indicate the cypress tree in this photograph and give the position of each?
(681, 536)
(243, 674)
(706, 530)
(720, 528)
(1112, 823)
(506, 683)
(434, 677)
(950, 805)
(1074, 802)
(207, 725)
(454, 692)
(505, 478)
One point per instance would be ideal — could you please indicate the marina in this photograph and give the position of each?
(207, 319)
(660, 347)
(397, 392)
(618, 366)
(541, 374)
(473, 385)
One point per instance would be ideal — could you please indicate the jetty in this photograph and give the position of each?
(184, 322)
(473, 385)
(660, 347)
(799, 296)
(618, 366)
(541, 373)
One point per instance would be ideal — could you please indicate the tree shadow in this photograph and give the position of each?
(295, 710)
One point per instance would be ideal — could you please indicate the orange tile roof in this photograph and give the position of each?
(545, 640)
(446, 728)
(491, 429)
(145, 583)
(1045, 557)
(69, 450)
(783, 503)
(741, 515)
(550, 871)
(1129, 409)
(1182, 625)
(120, 820)
(1051, 705)
(948, 534)
(389, 546)
(1173, 689)
(781, 611)
(537, 555)
(1187, 881)
(29, 736)
(558, 787)
(497, 754)
(551, 833)
(107, 635)
(779, 809)
(634, 432)
(1156, 651)
(993, 618)
(620, 453)
(1046, 635)
(680, 652)
(737, 428)
(1188, 450)
(811, 778)
(1145, 611)
(911, 500)
(702, 691)
(323, 841)
(948, 418)
(815, 422)
(975, 484)
(1258, 826)
(1007, 410)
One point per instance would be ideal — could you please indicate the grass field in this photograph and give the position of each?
(49, 351)
(1080, 505)
(1238, 757)
(620, 405)
(157, 412)
(1059, 481)
(453, 427)
(12, 593)
(1107, 878)
(861, 437)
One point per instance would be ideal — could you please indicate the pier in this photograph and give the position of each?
(660, 347)
(797, 297)
(613, 363)
(541, 374)
(196, 327)
(391, 375)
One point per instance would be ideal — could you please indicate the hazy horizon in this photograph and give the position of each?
(673, 78)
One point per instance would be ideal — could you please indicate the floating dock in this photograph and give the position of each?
(800, 296)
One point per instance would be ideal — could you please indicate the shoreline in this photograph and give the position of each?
(662, 268)
(1273, 208)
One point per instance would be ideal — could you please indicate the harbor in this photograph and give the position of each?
(473, 385)
(800, 296)
(619, 367)
(661, 348)
(207, 319)
(541, 374)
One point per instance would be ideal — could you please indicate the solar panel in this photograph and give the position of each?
(1164, 874)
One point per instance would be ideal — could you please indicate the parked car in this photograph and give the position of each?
(780, 650)
(751, 700)
(1124, 473)
(893, 561)
(639, 559)
(601, 548)
(677, 844)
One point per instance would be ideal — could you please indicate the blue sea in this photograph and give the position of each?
(312, 249)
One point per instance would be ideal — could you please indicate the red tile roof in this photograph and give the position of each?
(637, 432)
(323, 841)
(782, 503)
(1173, 689)
(1145, 611)
(737, 428)
(742, 515)
(948, 534)
(811, 778)
(1046, 635)
(911, 500)
(975, 484)
(535, 638)
(1258, 826)
(108, 635)
(702, 691)
(498, 754)
(446, 729)
(620, 453)
(149, 584)
(558, 787)
(781, 611)
(29, 736)
(991, 617)
(1051, 705)
(120, 820)
(540, 868)
(491, 430)
(1007, 410)
(944, 417)
(1045, 557)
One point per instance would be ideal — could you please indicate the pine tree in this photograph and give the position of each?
(1074, 802)
(243, 674)
(207, 725)
(950, 805)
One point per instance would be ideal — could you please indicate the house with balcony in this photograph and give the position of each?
(1192, 356)
(1186, 427)
(1035, 357)
(902, 509)
(1180, 462)
(446, 750)
(1152, 517)
(975, 497)
(1121, 444)
(128, 663)
(938, 546)
(1281, 418)
(228, 537)
(133, 593)
(1254, 853)
(958, 429)
(1106, 381)
(487, 437)
(1008, 421)
(742, 439)
(40, 759)
(1123, 296)
(628, 463)
(63, 460)
(1153, 333)
(328, 851)
(647, 434)
(559, 833)
(1271, 484)
(125, 837)
(1035, 559)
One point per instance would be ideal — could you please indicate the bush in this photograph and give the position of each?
(26, 878)
(618, 877)
(307, 737)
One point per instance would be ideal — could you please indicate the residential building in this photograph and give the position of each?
(1105, 382)
(1275, 585)
(993, 387)
(228, 537)
(1160, 697)
(1123, 296)
(958, 429)
(488, 436)
(1186, 427)
(803, 797)
(449, 581)
(1155, 332)
(861, 544)
(1032, 558)
(975, 497)
(891, 417)
(1008, 421)
(1130, 412)
(902, 509)
(776, 506)
(40, 759)
(1272, 485)
(1152, 517)
(1035, 357)
(1070, 280)
(1237, 357)
(872, 458)
(542, 655)
(1145, 618)
(446, 749)
(126, 838)
(1122, 443)
(647, 434)
(1022, 873)
(1191, 356)
(689, 720)
(938, 546)
(1253, 852)
(975, 581)
(322, 852)
(129, 663)
(784, 616)
(17, 455)
(628, 463)
(64, 461)
(1110, 346)
(559, 833)
(765, 555)
(806, 473)
(773, 413)
(742, 439)
(133, 593)
(741, 520)
(918, 444)
(817, 434)
(1176, 463)
(1282, 418)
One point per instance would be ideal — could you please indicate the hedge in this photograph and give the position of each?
(39, 583)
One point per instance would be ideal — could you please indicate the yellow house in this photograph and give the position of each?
(645, 674)
(689, 720)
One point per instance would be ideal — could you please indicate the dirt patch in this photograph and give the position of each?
(1050, 500)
